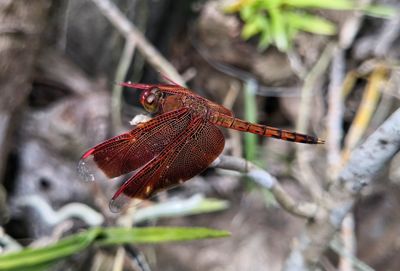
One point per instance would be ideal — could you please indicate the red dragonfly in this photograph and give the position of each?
(179, 143)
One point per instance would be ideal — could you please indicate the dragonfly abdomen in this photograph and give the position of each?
(263, 130)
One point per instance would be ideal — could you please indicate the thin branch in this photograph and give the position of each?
(349, 243)
(339, 249)
(123, 66)
(352, 25)
(118, 264)
(388, 36)
(308, 178)
(310, 82)
(335, 113)
(365, 162)
(302, 209)
(368, 159)
(366, 109)
(52, 217)
(132, 34)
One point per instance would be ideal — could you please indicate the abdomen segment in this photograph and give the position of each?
(263, 130)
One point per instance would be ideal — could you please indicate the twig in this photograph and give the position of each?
(132, 34)
(8, 244)
(302, 209)
(388, 36)
(62, 41)
(51, 217)
(137, 259)
(335, 246)
(309, 85)
(335, 113)
(308, 178)
(352, 25)
(119, 259)
(366, 109)
(4, 213)
(295, 63)
(349, 243)
(368, 159)
(123, 66)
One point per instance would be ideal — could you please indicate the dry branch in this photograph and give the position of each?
(132, 34)
(301, 209)
(335, 113)
(368, 159)
(365, 162)
(314, 77)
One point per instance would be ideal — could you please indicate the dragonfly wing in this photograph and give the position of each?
(130, 151)
(191, 153)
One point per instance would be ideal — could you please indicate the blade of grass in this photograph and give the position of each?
(31, 257)
(265, 39)
(250, 107)
(175, 208)
(250, 29)
(42, 257)
(278, 28)
(238, 5)
(365, 111)
(336, 4)
(310, 23)
(381, 11)
(151, 235)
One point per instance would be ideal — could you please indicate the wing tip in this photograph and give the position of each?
(166, 78)
(129, 84)
(88, 153)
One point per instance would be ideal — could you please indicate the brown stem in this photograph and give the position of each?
(302, 209)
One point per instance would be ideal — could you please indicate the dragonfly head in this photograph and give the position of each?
(151, 99)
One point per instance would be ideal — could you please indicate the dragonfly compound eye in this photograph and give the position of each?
(151, 100)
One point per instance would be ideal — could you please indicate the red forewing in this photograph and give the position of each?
(128, 152)
(191, 153)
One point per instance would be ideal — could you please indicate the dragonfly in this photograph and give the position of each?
(181, 141)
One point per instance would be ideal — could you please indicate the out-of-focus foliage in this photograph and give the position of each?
(196, 204)
(250, 110)
(278, 21)
(42, 258)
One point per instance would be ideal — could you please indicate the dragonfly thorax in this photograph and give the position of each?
(197, 106)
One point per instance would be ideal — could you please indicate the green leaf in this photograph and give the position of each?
(310, 23)
(41, 258)
(270, 4)
(265, 39)
(175, 208)
(381, 11)
(116, 236)
(278, 30)
(238, 5)
(292, 32)
(332, 4)
(32, 257)
(250, 29)
(210, 205)
(247, 13)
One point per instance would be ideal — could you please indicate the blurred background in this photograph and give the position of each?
(327, 69)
